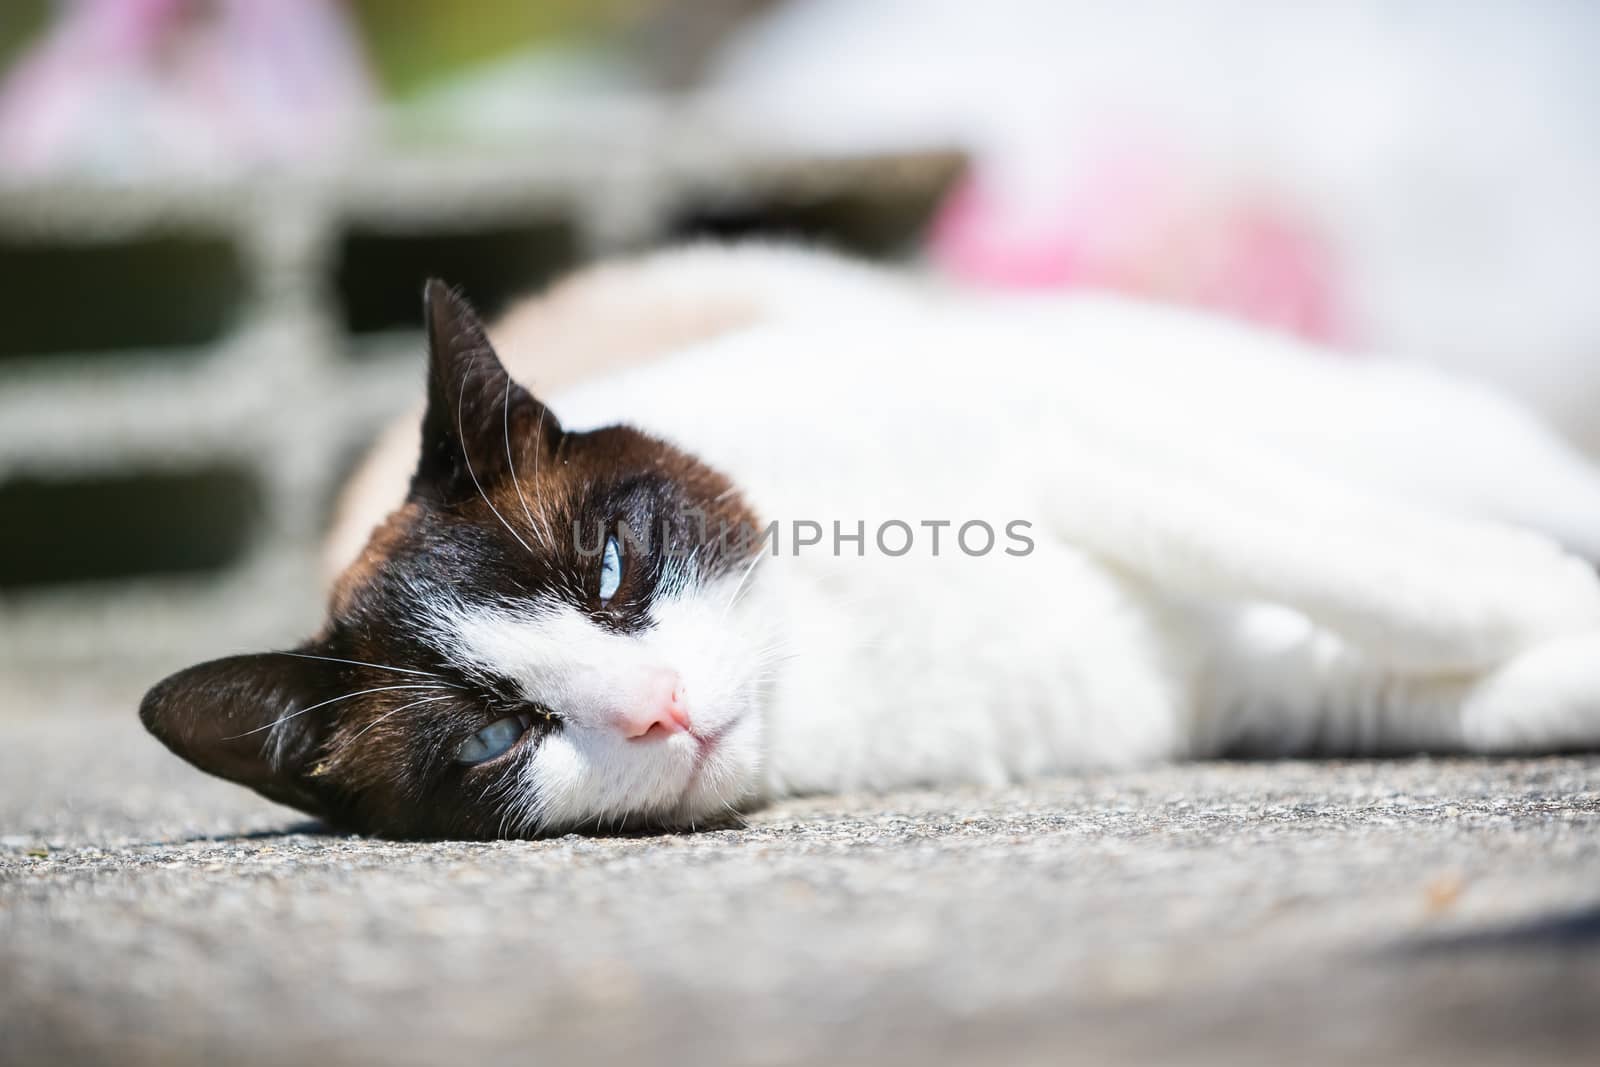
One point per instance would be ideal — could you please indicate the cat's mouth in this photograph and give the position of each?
(706, 769)
(706, 745)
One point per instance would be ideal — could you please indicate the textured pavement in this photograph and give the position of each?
(1428, 911)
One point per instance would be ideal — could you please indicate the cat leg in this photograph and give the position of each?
(1424, 593)
(1275, 683)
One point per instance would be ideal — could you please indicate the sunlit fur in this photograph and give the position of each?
(587, 773)
(1238, 545)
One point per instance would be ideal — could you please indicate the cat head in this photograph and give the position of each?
(554, 632)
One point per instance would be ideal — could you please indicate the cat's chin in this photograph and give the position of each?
(723, 777)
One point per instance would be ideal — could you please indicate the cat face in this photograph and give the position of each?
(552, 633)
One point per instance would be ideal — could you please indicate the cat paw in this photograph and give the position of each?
(1545, 700)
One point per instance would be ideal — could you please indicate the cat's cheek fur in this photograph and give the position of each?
(589, 780)
(592, 779)
(588, 773)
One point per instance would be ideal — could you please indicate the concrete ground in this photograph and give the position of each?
(1429, 911)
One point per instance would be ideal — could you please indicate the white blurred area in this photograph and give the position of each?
(1434, 164)
(1415, 177)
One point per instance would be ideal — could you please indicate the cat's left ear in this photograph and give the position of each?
(478, 420)
(260, 721)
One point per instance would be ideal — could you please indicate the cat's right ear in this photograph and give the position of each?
(478, 419)
(257, 720)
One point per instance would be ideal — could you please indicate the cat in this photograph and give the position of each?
(810, 527)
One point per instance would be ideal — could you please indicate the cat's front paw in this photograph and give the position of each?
(1545, 700)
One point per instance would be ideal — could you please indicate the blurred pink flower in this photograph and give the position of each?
(1138, 223)
(126, 87)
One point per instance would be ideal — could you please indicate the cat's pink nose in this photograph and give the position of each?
(661, 713)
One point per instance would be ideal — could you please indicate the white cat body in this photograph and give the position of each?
(1205, 538)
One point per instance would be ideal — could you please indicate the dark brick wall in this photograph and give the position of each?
(187, 372)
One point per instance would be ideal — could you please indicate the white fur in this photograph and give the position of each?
(1239, 542)
(588, 771)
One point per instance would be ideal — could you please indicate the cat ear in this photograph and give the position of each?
(477, 417)
(256, 720)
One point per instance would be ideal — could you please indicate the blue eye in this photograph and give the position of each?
(493, 740)
(610, 570)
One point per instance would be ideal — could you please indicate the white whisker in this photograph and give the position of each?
(505, 427)
(402, 707)
(461, 396)
(737, 589)
(362, 663)
(325, 703)
(538, 438)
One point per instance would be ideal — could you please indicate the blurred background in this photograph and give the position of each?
(216, 215)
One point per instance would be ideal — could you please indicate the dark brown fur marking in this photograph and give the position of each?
(490, 517)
